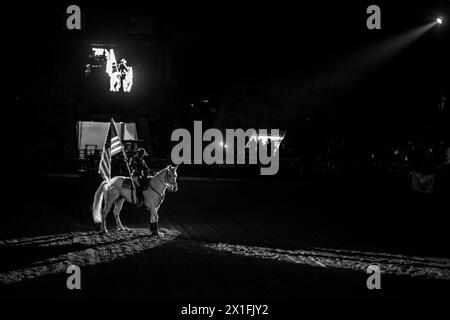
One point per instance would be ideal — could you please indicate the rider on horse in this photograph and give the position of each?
(140, 172)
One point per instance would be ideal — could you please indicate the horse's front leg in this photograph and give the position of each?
(154, 229)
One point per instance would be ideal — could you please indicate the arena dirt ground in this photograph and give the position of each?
(269, 240)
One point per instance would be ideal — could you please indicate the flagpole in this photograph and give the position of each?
(128, 167)
(125, 159)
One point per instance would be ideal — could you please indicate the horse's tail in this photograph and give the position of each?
(97, 204)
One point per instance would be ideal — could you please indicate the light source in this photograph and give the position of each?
(439, 20)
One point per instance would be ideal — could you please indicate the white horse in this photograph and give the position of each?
(113, 193)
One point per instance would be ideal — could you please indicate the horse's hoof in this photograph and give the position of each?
(158, 234)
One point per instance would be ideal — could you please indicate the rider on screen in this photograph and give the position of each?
(123, 68)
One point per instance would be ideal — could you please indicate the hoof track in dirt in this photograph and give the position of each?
(53, 254)
(425, 267)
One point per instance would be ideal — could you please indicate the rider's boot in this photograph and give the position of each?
(140, 197)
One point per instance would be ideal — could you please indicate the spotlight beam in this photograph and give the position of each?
(373, 56)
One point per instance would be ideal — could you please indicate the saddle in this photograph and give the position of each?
(127, 184)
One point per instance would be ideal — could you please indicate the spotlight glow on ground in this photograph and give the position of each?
(439, 20)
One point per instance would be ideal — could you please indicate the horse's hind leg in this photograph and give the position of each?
(117, 207)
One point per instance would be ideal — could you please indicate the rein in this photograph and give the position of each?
(161, 194)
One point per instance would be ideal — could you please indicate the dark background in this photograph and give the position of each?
(294, 66)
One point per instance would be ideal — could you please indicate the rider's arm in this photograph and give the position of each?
(144, 165)
(133, 165)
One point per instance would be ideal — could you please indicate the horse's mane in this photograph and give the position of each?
(160, 171)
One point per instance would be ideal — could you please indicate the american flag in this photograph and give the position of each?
(111, 147)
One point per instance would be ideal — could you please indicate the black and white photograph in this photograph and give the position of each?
(224, 159)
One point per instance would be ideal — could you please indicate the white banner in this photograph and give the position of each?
(422, 182)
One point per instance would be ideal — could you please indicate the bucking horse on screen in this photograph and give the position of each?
(118, 190)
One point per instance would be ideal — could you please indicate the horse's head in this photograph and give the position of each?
(171, 178)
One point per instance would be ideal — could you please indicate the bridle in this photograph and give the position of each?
(168, 185)
(165, 184)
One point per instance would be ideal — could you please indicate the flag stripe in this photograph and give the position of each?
(104, 170)
(116, 146)
(107, 160)
(112, 146)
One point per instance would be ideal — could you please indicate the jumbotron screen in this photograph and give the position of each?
(111, 68)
